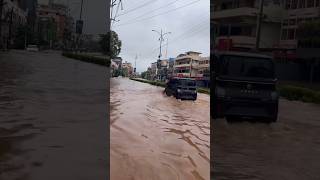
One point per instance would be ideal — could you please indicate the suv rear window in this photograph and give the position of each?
(185, 82)
(248, 67)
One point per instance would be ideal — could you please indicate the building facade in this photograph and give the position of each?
(186, 65)
(236, 23)
(53, 21)
(12, 17)
(295, 13)
(127, 69)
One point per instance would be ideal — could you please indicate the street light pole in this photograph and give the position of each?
(258, 30)
(160, 39)
(1, 10)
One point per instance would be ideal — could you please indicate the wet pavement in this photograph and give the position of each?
(155, 137)
(53, 117)
(286, 150)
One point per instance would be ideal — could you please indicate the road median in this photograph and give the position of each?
(88, 58)
(162, 84)
(299, 94)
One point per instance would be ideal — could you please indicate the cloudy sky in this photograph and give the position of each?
(187, 20)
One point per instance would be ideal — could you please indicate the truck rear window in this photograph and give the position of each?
(187, 82)
(250, 67)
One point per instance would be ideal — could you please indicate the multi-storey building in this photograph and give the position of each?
(186, 65)
(236, 23)
(127, 68)
(53, 22)
(154, 70)
(204, 67)
(170, 71)
(296, 12)
(12, 16)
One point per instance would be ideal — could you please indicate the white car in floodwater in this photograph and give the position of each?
(33, 48)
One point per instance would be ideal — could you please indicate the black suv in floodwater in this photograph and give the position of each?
(182, 88)
(244, 86)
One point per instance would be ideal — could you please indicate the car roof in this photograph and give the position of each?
(246, 54)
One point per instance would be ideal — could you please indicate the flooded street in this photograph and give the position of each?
(53, 117)
(286, 150)
(155, 137)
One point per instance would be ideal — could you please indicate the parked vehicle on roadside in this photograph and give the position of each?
(244, 86)
(33, 48)
(182, 88)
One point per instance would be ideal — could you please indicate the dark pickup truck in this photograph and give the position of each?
(182, 88)
(244, 85)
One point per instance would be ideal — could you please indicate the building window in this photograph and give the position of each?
(302, 4)
(288, 3)
(223, 30)
(317, 3)
(310, 3)
(291, 34)
(285, 22)
(235, 31)
(284, 34)
(294, 4)
(292, 22)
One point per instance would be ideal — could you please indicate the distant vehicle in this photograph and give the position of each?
(182, 88)
(244, 86)
(33, 48)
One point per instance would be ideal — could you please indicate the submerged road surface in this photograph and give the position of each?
(155, 137)
(286, 150)
(53, 118)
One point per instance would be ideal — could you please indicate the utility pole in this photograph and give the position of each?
(79, 27)
(1, 10)
(10, 29)
(135, 64)
(161, 39)
(81, 10)
(259, 19)
(167, 47)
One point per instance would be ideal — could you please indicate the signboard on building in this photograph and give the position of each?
(79, 26)
(224, 44)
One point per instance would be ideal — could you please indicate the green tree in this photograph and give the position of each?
(144, 75)
(24, 36)
(110, 44)
(308, 34)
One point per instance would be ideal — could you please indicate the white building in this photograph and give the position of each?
(186, 65)
(236, 21)
(12, 17)
(295, 13)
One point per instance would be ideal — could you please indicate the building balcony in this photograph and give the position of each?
(181, 65)
(203, 66)
(238, 12)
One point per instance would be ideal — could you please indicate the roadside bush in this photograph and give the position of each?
(204, 90)
(299, 94)
(87, 58)
(162, 84)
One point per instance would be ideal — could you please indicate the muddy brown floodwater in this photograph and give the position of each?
(155, 137)
(286, 150)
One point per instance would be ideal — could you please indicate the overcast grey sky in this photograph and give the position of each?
(188, 20)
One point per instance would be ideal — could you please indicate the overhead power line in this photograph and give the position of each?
(151, 11)
(138, 7)
(192, 34)
(189, 31)
(172, 10)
